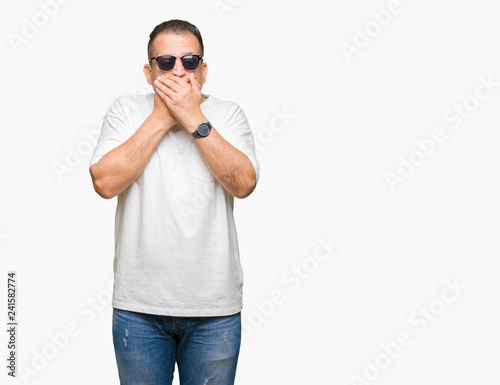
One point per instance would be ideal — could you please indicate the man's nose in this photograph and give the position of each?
(178, 69)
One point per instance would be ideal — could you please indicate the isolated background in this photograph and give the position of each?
(323, 176)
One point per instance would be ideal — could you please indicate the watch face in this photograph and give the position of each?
(203, 129)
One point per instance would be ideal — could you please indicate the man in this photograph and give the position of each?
(176, 158)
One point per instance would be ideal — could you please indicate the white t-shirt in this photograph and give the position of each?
(176, 247)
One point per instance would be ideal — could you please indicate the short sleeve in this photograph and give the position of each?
(115, 130)
(236, 131)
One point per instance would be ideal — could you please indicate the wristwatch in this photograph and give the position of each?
(202, 130)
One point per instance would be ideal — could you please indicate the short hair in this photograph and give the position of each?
(179, 27)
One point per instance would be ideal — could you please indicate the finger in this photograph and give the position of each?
(181, 82)
(194, 83)
(165, 89)
(180, 79)
(166, 81)
(163, 96)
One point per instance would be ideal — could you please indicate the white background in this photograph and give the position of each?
(355, 118)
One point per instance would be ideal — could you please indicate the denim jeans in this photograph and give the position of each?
(147, 346)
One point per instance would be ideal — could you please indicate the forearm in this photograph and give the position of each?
(230, 166)
(120, 167)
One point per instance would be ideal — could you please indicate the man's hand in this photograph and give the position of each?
(161, 111)
(182, 97)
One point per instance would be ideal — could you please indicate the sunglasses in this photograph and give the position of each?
(167, 62)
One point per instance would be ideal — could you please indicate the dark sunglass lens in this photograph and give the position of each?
(166, 63)
(190, 62)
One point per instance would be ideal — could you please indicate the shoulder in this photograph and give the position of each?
(129, 103)
(131, 100)
(226, 108)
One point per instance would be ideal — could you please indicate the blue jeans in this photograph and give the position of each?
(147, 346)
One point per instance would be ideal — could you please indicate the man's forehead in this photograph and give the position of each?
(176, 44)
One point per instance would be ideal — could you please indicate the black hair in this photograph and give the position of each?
(179, 27)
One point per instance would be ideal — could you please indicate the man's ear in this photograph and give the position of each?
(204, 69)
(148, 73)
